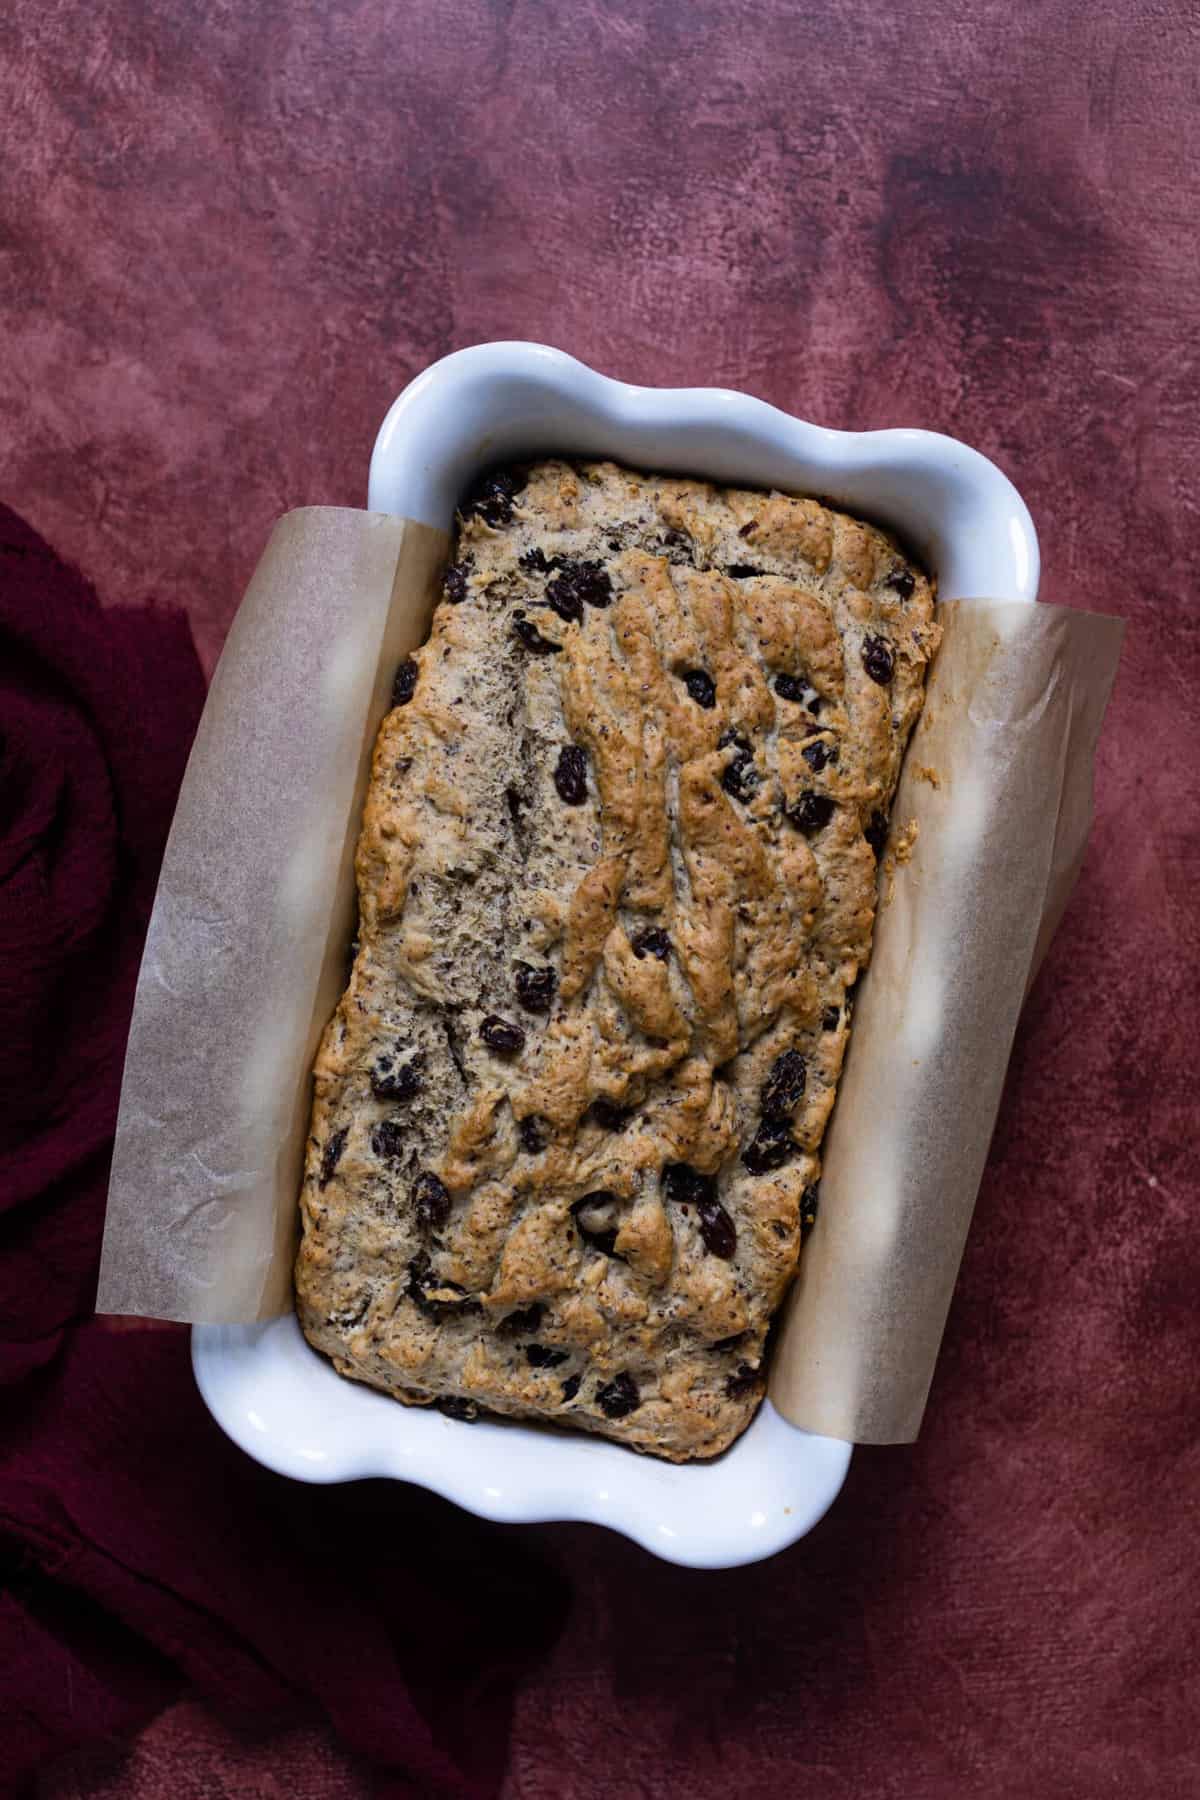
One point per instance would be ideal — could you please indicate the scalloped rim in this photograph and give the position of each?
(289, 1408)
(961, 515)
(274, 1396)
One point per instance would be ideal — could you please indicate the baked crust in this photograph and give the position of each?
(629, 804)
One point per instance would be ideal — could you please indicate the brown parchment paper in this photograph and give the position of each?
(246, 953)
(997, 786)
(246, 958)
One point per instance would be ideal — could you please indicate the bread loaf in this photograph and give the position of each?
(617, 881)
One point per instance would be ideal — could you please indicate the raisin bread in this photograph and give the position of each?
(617, 880)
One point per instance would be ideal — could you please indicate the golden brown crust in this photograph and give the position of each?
(627, 810)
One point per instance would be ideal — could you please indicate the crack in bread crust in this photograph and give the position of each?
(616, 884)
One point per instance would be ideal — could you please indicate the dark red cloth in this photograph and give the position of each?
(143, 1554)
(97, 711)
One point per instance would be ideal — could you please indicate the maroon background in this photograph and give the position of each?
(229, 235)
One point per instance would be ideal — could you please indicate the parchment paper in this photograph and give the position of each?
(997, 784)
(246, 957)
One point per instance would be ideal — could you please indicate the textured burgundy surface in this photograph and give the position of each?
(230, 234)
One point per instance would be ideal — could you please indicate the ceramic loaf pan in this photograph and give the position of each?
(965, 521)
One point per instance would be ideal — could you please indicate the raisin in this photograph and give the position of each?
(529, 1131)
(818, 753)
(454, 583)
(388, 1139)
(739, 777)
(744, 1380)
(809, 812)
(514, 799)
(531, 638)
(579, 583)
(570, 1387)
(456, 1408)
(784, 1085)
(431, 1201)
(717, 1229)
(421, 1277)
(748, 529)
(771, 1146)
(539, 1356)
(618, 1397)
(701, 686)
(794, 687)
(405, 684)
(535, 987)
(499, 1035)
(831, 1018)
(526, 1318)
(392, 1082)
(901, 579)
(742, 571)
(594, 584)
(652, 943)
(810, 1201)
(685, 1186)
(536, 562)
(491, 497)
(677, 540)
(608, 1116)
(877, 659)
(562, 598)
(570, 775)
(600, 1237)
(876, 833)
(331, 1155)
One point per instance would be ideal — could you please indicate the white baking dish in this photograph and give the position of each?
(278, 1399)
